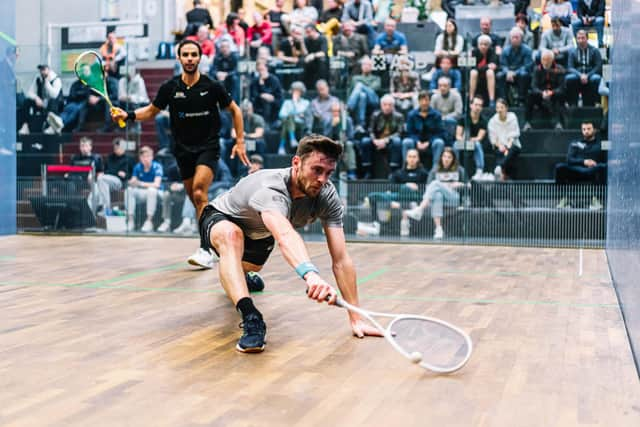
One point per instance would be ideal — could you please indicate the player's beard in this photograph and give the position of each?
(186, 71)
(307, 188)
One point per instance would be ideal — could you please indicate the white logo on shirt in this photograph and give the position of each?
(179, 95)
(204, 93)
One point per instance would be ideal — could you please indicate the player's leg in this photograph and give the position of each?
(256, 253)
(200, 187)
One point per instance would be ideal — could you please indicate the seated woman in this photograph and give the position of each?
(405, 85)
(504, 135)
(449, 43)
(442, 189)
(561, 9)
(296, 118)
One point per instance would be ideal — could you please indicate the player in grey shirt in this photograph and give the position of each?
(243, 225)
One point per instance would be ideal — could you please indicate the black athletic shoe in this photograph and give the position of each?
(253, 337)
(254, 282)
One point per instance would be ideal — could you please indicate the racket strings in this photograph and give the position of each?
(438, 344)
(89, 69)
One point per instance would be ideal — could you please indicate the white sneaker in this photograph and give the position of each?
(165, 226)
(184, 227)
(478, 175)
(202, 258)
(404, 227)
(368, 228)
(24, 130)
(415, 213)
(147, 227)
(49, 131)
(438, 233)
(497, 172)
(55, 122)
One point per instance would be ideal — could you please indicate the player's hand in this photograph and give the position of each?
(362, 329)
(240, 151)
(318, 289)
(118, 114)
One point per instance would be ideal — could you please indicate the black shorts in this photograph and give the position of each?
(188, 160)
(255, 251)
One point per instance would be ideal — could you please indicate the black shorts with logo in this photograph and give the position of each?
(189, 158)
(255, 251)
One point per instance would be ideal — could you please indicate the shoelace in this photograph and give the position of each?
(254, 326)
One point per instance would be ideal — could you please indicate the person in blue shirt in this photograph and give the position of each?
(515, 67)
(144, 186)
(424, 129)
(390, 41)
(446, 70)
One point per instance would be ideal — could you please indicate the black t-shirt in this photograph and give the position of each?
(195, 114)
(199, 16)
(474, 128)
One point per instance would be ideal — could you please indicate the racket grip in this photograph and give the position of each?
(121, 123)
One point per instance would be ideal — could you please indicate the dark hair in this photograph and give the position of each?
(321, 144)
(186, 42)
(523, 17)
(445, 39)
(556, 20)
(454, 164)
(230, 18)
(424, 94)
(588, 122)
(503, 102)
(478, 97)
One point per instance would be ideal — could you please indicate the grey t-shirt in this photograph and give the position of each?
(268, 189)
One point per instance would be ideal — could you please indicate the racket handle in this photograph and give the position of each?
(121, 123)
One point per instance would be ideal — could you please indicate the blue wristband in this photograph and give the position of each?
(305, 267)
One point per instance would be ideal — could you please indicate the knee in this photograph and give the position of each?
(408, 143)
(490, 73)
(226, 235)
(396, 142)
(473, 74)
(200, 195)
(437, 143)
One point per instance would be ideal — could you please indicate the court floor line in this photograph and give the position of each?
(363, 296)
(497, 273)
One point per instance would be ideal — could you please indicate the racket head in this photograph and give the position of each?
(442, 347)
(89, 69)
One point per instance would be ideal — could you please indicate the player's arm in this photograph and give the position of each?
(295, 253)
(238, 125)
(345, 273)
(139, 115)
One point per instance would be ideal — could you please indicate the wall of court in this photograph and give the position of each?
(7, 119)
(623, 225)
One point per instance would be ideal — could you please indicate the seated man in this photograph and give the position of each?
(559, 40)
(254, 127)
(515, 67)
(350, 45)
(485, 29)
(522, 22)
(360, 14)
(591, 14)
(296, 118)
(482, 78)
(74, 113)
(339, 127)
(446, 70)
(448, 103)
(85, 157)
(472, 129)
(44, 96)
(390, 41)
(132, 91)
(225, 70)
(586, 162)
(316, 61)
(584, 72)
(265, 93)
(547, 91)
(117, 172)
(424, 129)
(384, 135)
(362, 92)
(144, 186)
(321, 105)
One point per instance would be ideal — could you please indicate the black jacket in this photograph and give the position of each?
(579, 151)
(588, 61)
(551, 79)
(596, 9)
(116, 164)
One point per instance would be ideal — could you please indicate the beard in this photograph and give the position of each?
(195, 68)
(307, 188)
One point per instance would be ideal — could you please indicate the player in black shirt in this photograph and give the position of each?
(194, 101)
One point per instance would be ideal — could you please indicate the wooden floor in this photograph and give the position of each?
(104, 331)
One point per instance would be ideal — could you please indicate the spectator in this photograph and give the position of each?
(278, 18)
(446, 70)
(360, 14)
(444, 183)
(385, 129)
(559, 40)
(145, 185)
(504, 135)
(257, 163)
(483, 76)
(292, 48)
(351, 46)
(225, 70)
(472, 129)
(321, 105)
(265, 93)
(591, 14)
(424, 129)
(233, 31)
(339, 127)
(332, 13)
(85, 157)
(448, 103)
(405, 85)
(560, 9)
(296, 118)
(449, 43)
(113, 55)
(586, 162)
(547, 90)
(163, 132)
(196, 17)
(44, 95)
(515, 64)
(485, 29)
(208, 48)
(316, 65)
(390, 41)
(117, 172)
(74, 112)
(132, 91)
(254, 127)
(303, 14)
(520, 7)
(242, 22)
(584, 72)
(362, 93)
(522, 22)
(260, 34)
